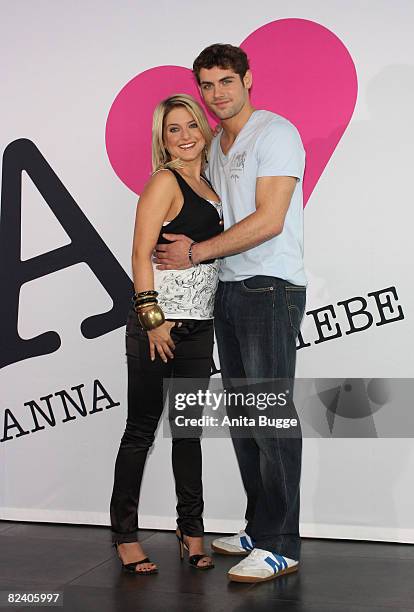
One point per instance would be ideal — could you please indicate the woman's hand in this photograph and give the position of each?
(160, 339)
(217, 130)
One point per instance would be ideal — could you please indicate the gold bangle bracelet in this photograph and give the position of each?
(142, 306)
(151, 318)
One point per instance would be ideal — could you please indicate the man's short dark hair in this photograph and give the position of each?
(223, 56)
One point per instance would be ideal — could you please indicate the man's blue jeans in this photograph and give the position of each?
(257, 322)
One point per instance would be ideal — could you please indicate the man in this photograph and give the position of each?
(256, 165)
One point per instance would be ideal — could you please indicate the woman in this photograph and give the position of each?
(170, 328)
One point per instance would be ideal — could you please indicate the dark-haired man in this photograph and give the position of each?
(256, 165)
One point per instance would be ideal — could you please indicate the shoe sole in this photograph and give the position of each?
(236, 578)
(222, 551)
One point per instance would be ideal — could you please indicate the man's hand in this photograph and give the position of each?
(173, 256)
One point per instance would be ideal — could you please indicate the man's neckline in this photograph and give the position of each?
(225, 155)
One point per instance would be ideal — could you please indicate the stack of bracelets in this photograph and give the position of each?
(149, 313)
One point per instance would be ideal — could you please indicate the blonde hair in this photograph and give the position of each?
(160, 156)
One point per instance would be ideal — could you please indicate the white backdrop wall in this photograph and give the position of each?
(63, 65)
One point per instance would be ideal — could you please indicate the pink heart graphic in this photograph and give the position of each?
(301, 70)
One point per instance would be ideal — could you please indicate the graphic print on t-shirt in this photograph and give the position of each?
(237, 162)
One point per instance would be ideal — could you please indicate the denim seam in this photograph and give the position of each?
(281, 463)
(284, 482)
(291, 307)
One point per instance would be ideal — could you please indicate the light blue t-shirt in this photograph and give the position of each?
(267, 145)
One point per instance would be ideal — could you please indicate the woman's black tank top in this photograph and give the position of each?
(199, 219)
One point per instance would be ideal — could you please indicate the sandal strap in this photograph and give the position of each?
(146, 560)
(135, 563)
(131, 567)
(194, 559)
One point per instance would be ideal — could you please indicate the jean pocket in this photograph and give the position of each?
(178, 330)
(295, 301)
(258, 284)
(182, 328)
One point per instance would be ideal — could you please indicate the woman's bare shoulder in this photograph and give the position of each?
(161, 179)
(161, 188)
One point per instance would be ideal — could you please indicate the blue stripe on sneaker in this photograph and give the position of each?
(281, 559)
(276, 564)
(244, 542)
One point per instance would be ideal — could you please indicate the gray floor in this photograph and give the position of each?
(335, 576)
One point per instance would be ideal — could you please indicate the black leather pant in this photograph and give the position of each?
(192, 359)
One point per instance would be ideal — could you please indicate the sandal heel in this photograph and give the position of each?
(180, 548)
(194, 559)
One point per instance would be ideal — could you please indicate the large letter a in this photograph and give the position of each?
(86, 246)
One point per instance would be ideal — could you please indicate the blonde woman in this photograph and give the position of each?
(169, 328)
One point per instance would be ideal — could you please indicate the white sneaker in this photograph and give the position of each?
(262, 565)
(239, 544)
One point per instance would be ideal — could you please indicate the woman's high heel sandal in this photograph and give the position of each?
(130, 568)
(193, 559)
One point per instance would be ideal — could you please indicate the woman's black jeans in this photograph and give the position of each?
(192, 359)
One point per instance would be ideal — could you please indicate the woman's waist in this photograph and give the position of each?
(203, 270)
(199, 234)
(192, 289)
